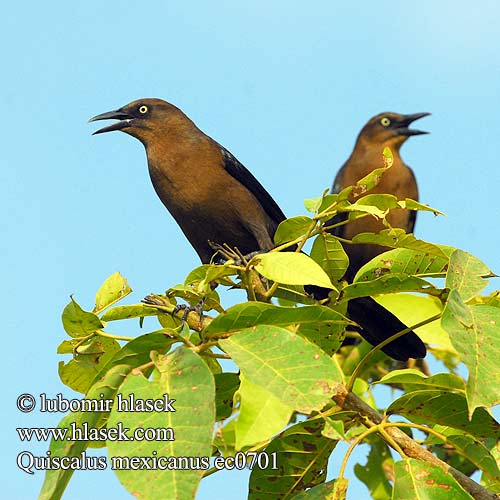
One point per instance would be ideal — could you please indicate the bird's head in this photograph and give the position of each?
(391, 129)
(144, 119)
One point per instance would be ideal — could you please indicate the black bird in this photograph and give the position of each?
(213, 198)
(384, 130)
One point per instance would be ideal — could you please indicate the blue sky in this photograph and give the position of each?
(283, 85)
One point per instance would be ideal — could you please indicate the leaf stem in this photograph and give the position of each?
(101, 333)
(373, 350)
(272, 290)
(211, 354)
(306, 236)
(82, 341)
(353, 445)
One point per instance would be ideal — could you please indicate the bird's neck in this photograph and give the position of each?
(180, 165)
(369, 157)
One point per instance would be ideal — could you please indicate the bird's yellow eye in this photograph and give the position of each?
(143, 110)
(385, 122)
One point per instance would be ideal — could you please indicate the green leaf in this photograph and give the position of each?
(168, 322)
(321, 203)
(261, 415)
(289, 295)
(377, 204)
(80, 372)
(374, 472)
(383, 202)
(210, 272)
(365, 209)
(288, 366)
(466, 274)
(451, 455)
(486, 479)
(105, 384)
(419, 480)
(226, 384)
(67, 346)
(475, 333)
(183, 376)
(493, 299)
(398, 238)
(128, 312)
(389, 283)
(56, 480)
(415, 380)
(302, 457)
(319, 324)
(478, 454)
(191, 295)
(388, 157)
(409, 204)
(112, 290)
(329, 253)
(338, 423)
(445, 408)
(291, 229)
(292, 269)
(334, 429)
(332, 490)
(368, 182)
(137, 352)
(212, 363)
(401, 260)
(79, 323)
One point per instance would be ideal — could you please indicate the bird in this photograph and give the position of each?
(213, 198)
(383, 130)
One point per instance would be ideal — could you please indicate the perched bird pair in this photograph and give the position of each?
(215, 199)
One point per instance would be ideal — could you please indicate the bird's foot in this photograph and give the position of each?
(248, 257)
(198, 308)
(225, 253)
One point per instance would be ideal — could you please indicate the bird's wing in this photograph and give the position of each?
(243, 175)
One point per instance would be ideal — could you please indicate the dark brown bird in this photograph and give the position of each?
(384, 130)
(211, 195)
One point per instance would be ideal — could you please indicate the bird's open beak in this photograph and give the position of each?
(403, 125)
(125, 120)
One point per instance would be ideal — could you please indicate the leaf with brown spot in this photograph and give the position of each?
(226, 385)
(332, 490)
(192, 421)
(288, 366)
(414, 262)
(302, 458)
(319, 324)
(467, 274)
(419, 480)
(475, 333)
(445, 408)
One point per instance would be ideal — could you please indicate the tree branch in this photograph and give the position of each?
(349, 401)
